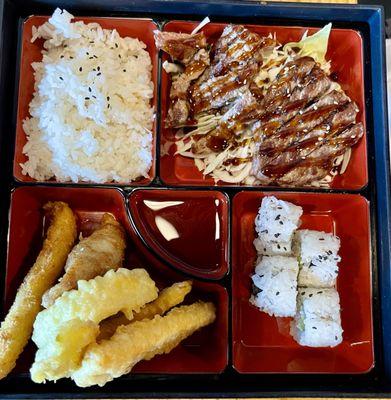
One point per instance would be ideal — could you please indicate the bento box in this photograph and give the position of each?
(186, 230)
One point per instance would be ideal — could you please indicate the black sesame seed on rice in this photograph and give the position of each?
(321, 238)
(278, 217)
(310, 295)
(278, 246)
(116, 45)
(61, 78)
(98, 68)
(320, 292)
(336, 337)
(124, 70)
(80, 69)
(61, 56)
(99, 73)
(302, 293)
(314, 327)
(277, 235)
(89, 89)
(86, 98)
(108, 98)
(277, 293)
(281, 223)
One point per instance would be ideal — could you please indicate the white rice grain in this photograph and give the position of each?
(91, 117)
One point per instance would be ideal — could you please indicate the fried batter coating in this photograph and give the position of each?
(16, 329)
(121, 290)
(141, 340)
(104, 249)
(168, 298)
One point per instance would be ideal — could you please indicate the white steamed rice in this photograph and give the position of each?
(91, 117)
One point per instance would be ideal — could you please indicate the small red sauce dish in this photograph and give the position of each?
(262, 344)
(348, 70)
(141, 29)
(204, 352)
(188, 229)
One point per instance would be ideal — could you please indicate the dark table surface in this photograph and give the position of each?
(385, 3)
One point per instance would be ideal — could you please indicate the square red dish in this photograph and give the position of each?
(179, 170)
(141, 29)
(262, 344)
(206, 351)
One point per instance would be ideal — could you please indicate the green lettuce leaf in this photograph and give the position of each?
(314, 46)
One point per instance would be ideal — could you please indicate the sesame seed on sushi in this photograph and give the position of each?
(275, 224)
(275, 285)
(317, 322)
(318, 258)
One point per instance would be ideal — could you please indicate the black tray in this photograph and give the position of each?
(367, 20)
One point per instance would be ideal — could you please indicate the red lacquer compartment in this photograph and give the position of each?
(186, 228)
(141, 29)
(262, 344)
(348, 71)
(203, 352)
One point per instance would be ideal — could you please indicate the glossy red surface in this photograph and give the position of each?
(141, 29)
(204, 352)
(348, 70)
(188, 229)
(262, 344)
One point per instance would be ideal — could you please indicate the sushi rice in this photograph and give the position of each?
(317, 322)
(318, 255)
(275, 286)
(275, 224)
(295, 274)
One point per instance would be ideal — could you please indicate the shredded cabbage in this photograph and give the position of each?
(314, 46)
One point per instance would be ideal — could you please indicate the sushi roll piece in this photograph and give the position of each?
(275, 285)
(318, 258)
(275, 224)
(272, 248)
(317, 322)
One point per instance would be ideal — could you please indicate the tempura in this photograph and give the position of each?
(141, 340)
(104, 249)
(121, 290)
(16, 329)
